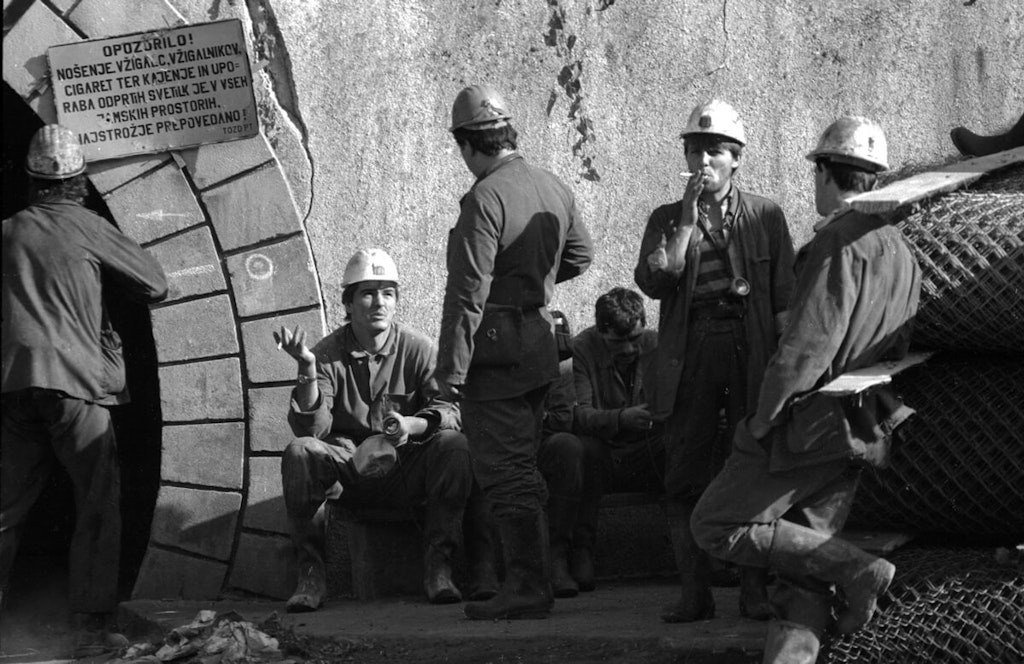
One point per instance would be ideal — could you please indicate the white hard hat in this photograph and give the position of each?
(369, 265)
(54, 154)
(853, 140)
(479, 107)
(716, 117)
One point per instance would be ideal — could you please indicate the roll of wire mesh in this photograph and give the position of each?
(970, 245)
(949, 606)
(957, 466)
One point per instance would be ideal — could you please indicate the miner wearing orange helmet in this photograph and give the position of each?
(787, 488)
(517, 235)
(62, 369)
(720, 261)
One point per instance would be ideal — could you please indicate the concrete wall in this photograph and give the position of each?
(374, 82)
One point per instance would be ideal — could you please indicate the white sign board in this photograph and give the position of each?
(155, 91)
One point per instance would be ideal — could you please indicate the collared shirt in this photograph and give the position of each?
(57, 259)
(357, 387)
(829, 218)
(601, 390)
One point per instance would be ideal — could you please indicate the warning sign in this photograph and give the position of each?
(155, 91)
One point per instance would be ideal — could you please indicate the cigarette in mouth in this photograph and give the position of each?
(687, 174)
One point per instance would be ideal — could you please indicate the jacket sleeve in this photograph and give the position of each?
(823, 303)
(656, 284)
(578, 251)
(131, 268)
(587, 418)
(559, 402)
(440, 413)
(318, 420)
(783, 257)
(472, 247)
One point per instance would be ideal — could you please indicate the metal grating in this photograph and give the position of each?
(955, 606)
(957, 466)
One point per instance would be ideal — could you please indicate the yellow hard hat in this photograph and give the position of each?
(716, 117)
(54, 154)
(855, 140)
(479, 107)
(369, 265)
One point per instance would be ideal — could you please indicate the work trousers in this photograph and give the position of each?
(437, 471)
(42, 426)
(735, 518)
(697, 442)
(504, 440)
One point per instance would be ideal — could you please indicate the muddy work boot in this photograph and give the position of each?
(790, 643)
(973, 145)
(754, 602)
(526, 592)
(562, 519)
(478, 528)
(93, 636)
(307, 537)
(695, 601)
(437, 578)
(800, 551)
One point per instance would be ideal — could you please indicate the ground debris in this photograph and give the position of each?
(209, 639)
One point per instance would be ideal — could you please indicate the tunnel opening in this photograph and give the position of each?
(38, 584)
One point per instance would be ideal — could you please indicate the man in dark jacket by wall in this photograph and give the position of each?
(721, 263)
(518, 234)
(62, 367)
(788, 485)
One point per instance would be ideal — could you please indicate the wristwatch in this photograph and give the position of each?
(303, 379)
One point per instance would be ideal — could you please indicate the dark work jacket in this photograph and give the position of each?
(355, 390)
(764, 250)
(57, 260)
(854, 305)
(601, 394)
(518, 234)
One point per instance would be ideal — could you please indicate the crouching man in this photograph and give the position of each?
(788, 485)
(372, 430)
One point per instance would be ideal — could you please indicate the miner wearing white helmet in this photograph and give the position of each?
(720, 260)
(63, 368)
(518, 233)
(787, 487)
(372, 426)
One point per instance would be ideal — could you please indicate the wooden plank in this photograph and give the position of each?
(854, 382)
(929, 183)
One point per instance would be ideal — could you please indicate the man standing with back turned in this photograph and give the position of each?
(518, 234)
(788, 485)
(62, 368)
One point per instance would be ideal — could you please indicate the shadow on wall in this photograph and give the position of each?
(137, 425)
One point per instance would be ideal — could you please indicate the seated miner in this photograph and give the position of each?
(623, 446)
(372, 430)
(560, 461)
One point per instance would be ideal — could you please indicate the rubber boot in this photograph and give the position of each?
(804, 617)
(970, 144)
(94, 637)
(800, 551)
(696, 601)
(478, 535)
(441, 530)
(754, 602)
(308, 539)
(526, 592)
(581, 560)
(790, 643)
(562, 519)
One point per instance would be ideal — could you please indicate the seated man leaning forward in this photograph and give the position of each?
(623, 447)
(367, 377)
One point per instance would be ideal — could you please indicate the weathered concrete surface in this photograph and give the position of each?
(374, 82)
